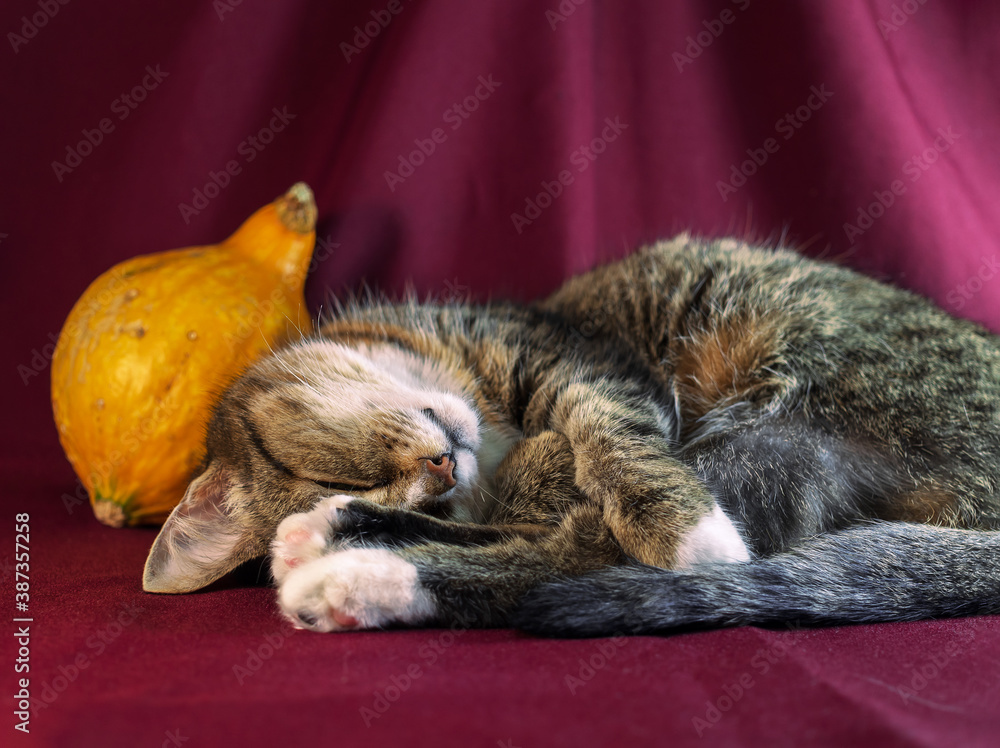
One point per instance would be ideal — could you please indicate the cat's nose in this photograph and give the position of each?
(442, 467)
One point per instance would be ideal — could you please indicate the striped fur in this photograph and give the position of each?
(699, 419)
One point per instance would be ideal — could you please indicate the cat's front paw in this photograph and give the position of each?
(357, 588)
(306, 536)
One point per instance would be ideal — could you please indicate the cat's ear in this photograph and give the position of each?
(201, 539)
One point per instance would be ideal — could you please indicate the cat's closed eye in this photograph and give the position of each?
(783, 425)
(346, 487)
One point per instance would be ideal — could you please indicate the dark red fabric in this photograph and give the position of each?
(891, 164)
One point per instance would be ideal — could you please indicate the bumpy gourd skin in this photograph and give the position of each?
(150, 344)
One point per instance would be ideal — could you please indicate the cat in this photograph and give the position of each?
(705, 433)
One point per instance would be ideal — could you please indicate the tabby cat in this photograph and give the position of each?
(702, 434)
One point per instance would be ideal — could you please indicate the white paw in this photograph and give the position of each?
(358, 588)
(714, 538)
(305, 536)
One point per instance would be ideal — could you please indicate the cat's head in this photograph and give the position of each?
(317, 419)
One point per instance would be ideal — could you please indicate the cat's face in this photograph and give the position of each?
(318, 419)
(375, 423)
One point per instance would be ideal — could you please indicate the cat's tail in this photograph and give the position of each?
(879, 572)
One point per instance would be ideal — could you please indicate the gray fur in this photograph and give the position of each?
(850, 430)
(872, 573)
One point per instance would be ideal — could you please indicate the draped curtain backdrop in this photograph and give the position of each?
(485, 149)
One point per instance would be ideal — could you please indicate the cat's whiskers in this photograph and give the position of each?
(764, 374)
(284, 365)
(482, 490)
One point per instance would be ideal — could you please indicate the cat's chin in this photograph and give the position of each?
(472, 504)
(437, 507)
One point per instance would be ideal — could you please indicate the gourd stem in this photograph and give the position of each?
(297, 208)
(281, 235)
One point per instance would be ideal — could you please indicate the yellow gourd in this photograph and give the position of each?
(152, 342)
